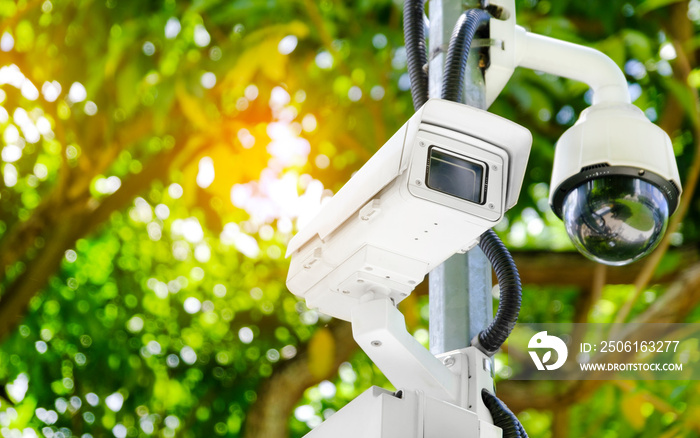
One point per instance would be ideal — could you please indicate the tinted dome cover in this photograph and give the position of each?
(615, 220)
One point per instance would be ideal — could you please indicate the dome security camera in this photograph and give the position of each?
(615, 180)
(614, 183)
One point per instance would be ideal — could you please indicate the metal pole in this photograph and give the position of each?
(460, 289)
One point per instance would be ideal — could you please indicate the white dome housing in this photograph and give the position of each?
(614, 183)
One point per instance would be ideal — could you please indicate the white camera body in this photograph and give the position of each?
(444, 178)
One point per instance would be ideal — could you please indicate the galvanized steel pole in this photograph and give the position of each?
(460, 289)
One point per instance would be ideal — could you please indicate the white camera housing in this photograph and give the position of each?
(391, 224)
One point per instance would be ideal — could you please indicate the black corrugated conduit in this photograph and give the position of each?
(458, 52)
(503, 417)
(492, 337)
(416, 54)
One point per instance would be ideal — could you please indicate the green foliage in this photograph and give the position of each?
(124, 316)
(169, 316)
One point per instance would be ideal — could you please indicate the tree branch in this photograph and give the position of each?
(572, 269)
(269, 416)
(674, 306)
(65, 229)
(681, 30)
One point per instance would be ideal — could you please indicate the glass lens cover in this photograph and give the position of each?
(455, 175)
(615, 220)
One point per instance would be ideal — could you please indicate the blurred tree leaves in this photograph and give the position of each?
(157, 157)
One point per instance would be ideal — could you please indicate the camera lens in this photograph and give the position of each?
(455, 175)
(615, 220)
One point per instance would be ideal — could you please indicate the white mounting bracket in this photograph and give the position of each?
(456, 377)
(437, 397)
(515, 47)
(502, 50)
(378, 413)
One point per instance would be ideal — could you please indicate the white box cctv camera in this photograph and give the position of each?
(444, 178)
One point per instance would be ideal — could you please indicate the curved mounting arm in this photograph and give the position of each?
(514, 47)
(573, 61)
